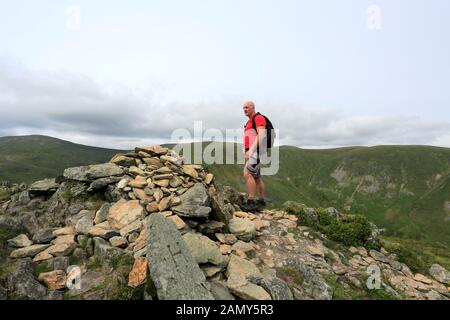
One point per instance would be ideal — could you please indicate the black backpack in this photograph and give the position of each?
(270, 130)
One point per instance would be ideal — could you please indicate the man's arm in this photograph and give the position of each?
(261, 134)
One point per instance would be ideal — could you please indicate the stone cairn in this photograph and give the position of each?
(166, 215)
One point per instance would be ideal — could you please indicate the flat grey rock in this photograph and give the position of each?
(194, 203)
(173, 269)
(92, 172)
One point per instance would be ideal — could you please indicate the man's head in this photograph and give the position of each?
(249, 108)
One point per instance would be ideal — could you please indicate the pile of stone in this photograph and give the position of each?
(175, 227)
(159, 207)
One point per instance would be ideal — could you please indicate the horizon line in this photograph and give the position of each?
(210, 141)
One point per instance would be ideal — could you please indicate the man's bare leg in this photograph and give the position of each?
(250, 184)
(260, 188)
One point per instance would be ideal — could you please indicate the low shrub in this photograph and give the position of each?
(351, 230)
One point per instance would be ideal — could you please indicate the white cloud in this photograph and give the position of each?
(79, 109)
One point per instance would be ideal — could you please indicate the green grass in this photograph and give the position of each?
(418, 255)
(290, 276)
(35, 157)
(121, 260)
(73, 260)
(341, 292)
(84, 241)
(4, 194)
(6, 234)
(94, 264)
(41, 268)
(295, 232)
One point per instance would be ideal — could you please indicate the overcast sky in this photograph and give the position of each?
(328, 73)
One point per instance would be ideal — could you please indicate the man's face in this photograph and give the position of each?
(249, 109)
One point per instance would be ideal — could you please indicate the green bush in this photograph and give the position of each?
(350, 230)
(121, 260)
(325, 219)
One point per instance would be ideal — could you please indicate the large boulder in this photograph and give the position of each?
(440, 273)
(44, 235)
(125, 212)
(21, 284)
(104, 251)
(220, 291)
(378, 256)
(204, 249)
(155, 150)
(103, 182)
(20, 241)
(29, 251)
(173, 269)
(92, 172)
(313, 283)
(242, 228)
(223, 199)
(277, 288)
(239, 274)
(333, 212)
(123, 161)
(46, 186)
(311, 215)
(194, 203)
(55, 280)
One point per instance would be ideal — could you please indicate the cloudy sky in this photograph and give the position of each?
(328, 73)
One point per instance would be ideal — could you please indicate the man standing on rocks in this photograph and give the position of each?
(253, 139)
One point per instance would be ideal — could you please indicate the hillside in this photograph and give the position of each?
(405, 189)
(30, 158)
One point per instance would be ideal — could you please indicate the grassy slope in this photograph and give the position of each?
(395, 186)
(408, 201)
(30, 158)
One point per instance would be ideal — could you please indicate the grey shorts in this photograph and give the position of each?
(253, 169)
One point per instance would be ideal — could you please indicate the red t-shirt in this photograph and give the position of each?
(250, 133)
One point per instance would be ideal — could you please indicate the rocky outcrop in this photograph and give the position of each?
(21, 284)
(148, 224)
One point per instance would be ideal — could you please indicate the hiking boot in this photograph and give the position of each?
(249, 206)
(260, 204)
